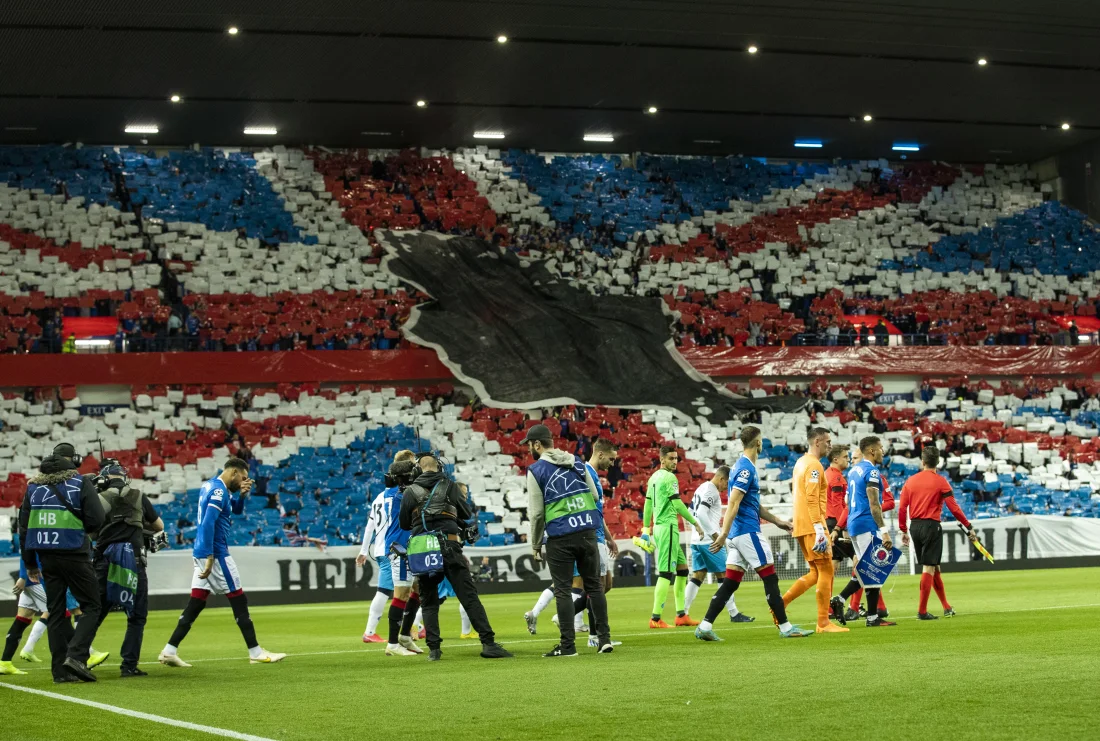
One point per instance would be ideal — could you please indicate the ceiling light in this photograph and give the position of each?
(261, 130)
(905, 147)
(808, 143)
(707, 141)
(651, 109)
(1065, 127)
(867, 117)
(421, 103)
(142, 129)
(488, 134)
(983, 62)
(375, 133)
(175, 99)
(232, 30)
(502, 39)
(752, 49)
(599, 138)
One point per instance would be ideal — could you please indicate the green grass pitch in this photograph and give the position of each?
(1019, 661)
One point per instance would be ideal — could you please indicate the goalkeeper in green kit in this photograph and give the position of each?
(662, 505)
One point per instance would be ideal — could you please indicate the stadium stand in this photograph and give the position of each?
(317, 453)
(748, 252)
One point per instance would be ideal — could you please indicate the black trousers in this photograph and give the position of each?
(456, 569)
(135, 623)
(73, 572)
(562, 553)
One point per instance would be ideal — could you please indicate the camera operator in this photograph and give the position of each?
(122, 543)
(435, 503)
(60, 510)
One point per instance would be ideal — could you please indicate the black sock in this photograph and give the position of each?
(579, 603)
(189, 615)
(244, 620)
(15, 634)
(720, 598)
(872, 601)
(775, 597)
(410, 614)
(849, 589)
(696, 582)
(397, 614)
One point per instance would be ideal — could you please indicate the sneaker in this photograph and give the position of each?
(706, 635)
(435, 654)
(468, 636)
(172, 660)
(850, 615)
(495, 651)
(658, 624)
(926, 616)
(132, 672)
(373, 638)
(6, 667)
(883, 614)
(582, 628)
(30, 657)
(880, 623)
(949, 612)
(267, 657)
(862, 611)
(79, 670)
(396, 649)
(65, 679)
(96, 658)
(795, 632)
(532, 621)
(406, 642)
(741, 618)
(607, 647)
(594, 642)
(559, 651)
(830, 628)
(685, 619)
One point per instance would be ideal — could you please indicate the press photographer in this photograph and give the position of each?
(59, 511)
(132, 530)
(435, 505)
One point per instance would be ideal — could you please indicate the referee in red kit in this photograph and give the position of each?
(922, 499)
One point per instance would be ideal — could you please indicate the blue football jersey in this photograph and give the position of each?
(23, 570)
(860, 476)
(216, 505)
(391, 505)
(744, 477)
(600, 535)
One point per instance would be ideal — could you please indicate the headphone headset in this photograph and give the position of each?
(63, 450)
(417, 470)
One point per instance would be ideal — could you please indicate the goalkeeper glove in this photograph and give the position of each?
(644, 541)
(821, 541)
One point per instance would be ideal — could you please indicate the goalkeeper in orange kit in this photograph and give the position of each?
(810, 529)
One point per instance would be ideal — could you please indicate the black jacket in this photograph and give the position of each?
(55, 470)
(418, 491)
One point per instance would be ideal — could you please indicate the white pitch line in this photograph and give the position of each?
(140, 715)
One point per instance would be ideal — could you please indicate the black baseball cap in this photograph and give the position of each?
(538, 433)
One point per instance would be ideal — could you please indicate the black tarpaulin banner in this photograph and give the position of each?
(524, 338)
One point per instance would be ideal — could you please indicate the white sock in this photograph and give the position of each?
(578, 620)
(37, 631)
(377, 607)
(785, 627)
(545, 598)
(467, 627)
(705, 625)
(255, 652)
(419, 619)
(689, 595)
(732, 607)
(169, 649)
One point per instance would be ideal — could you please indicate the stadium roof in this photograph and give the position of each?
(326, 71)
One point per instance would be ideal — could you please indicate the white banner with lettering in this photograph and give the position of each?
(1021, 538)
